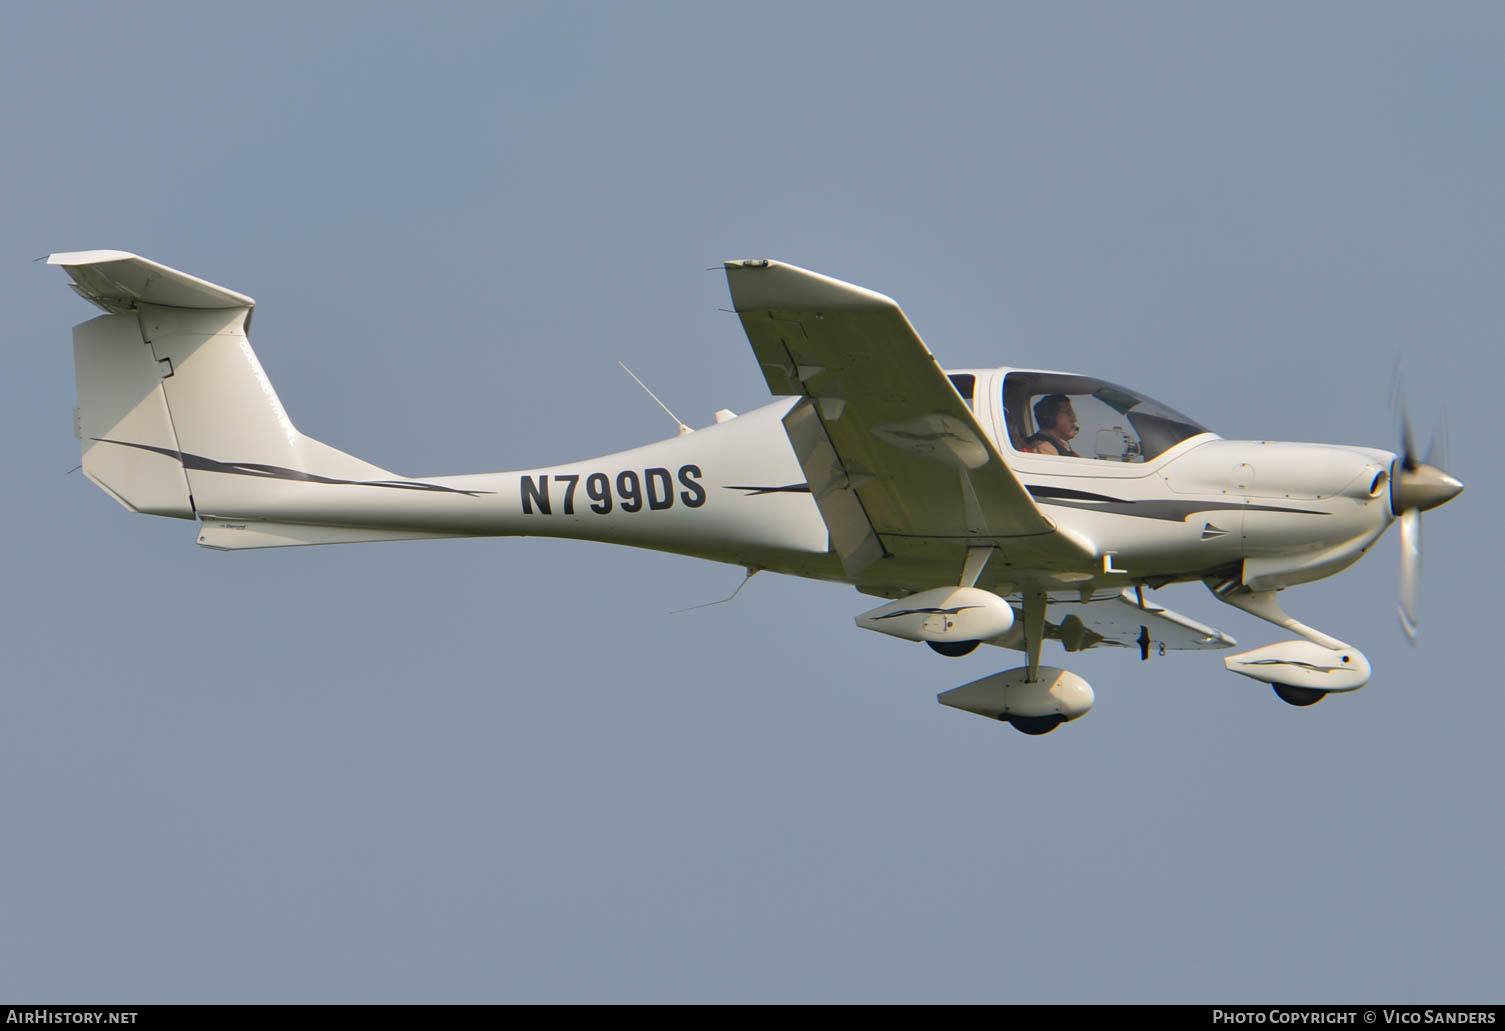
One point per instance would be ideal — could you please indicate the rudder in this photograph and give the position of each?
(129, 448)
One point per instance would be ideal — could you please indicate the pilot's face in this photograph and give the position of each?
(1066, 425)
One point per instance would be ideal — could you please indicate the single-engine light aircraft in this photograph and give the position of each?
(1005, 506)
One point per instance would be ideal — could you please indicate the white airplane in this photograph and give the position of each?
(999, 506)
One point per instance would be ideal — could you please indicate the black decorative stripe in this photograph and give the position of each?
(1295, 662)
(929, 611)
(1038, 491)
(277, 472)
(793, 488)
(1172, 511)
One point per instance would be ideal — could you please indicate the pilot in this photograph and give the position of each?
(1057, 421)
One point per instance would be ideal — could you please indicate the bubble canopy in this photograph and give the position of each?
(1063, 415)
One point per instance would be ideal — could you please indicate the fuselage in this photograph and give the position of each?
(1274, 513)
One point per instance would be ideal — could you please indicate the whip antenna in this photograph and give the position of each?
(683, 429)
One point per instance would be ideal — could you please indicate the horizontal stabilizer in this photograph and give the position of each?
(118, 281)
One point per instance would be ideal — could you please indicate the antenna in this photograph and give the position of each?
(683, 429)
(752, 571)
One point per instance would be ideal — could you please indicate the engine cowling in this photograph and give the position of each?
(942, 615)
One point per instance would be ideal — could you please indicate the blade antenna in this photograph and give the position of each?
(683, 429)
(752, 571)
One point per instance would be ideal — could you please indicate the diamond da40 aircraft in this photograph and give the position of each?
(997, 506)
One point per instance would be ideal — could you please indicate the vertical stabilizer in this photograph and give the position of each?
(176, 416)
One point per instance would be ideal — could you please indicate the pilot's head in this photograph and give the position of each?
(1054, 415)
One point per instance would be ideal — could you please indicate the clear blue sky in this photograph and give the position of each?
(499, 770)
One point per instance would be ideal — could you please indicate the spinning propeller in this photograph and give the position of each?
(1415, 486)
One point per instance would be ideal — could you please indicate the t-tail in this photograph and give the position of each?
(175, 415)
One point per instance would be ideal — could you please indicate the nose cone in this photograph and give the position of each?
(1422, 487)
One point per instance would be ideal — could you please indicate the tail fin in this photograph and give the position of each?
(170, 392)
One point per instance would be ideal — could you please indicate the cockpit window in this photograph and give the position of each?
(965, 383)
(1051, 413)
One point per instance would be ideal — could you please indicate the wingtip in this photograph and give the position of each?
(781, 285)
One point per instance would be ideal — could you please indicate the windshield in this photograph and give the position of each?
(1051, 413)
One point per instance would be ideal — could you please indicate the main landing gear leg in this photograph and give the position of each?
(1034, 631)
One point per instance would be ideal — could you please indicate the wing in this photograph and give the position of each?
(1122, 622)
(893, 456)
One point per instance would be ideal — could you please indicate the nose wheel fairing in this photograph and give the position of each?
(1055, 696)
(1318, 663)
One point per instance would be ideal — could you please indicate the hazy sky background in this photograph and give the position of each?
(499, 770)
